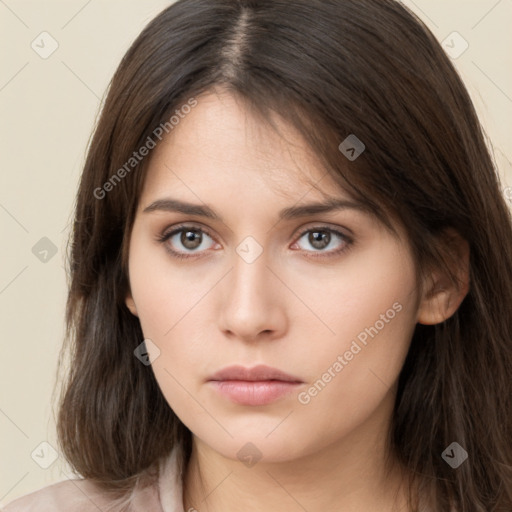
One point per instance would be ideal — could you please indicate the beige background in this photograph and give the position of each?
(48, 107)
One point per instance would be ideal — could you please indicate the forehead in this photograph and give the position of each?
(220, 147)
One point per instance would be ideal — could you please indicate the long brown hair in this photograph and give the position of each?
(330, 68)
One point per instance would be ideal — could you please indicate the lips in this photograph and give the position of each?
(258, 373)
(260, 385)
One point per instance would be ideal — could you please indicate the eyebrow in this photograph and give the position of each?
(292, 212)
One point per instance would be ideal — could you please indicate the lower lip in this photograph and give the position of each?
(245, 392)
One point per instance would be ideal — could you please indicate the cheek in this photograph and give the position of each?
(167, 300)
(164, 293)
(171, 302)
(355, 383)
(370, 312)
(371, 295)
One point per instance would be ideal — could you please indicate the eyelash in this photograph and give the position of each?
(348, 241)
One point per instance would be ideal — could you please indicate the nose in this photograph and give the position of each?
(252, 301)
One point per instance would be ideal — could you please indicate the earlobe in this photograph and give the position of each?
(130, 304)
(442, 297)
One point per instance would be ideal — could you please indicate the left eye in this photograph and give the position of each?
(322, 237)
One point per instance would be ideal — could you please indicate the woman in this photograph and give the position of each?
(291, 279)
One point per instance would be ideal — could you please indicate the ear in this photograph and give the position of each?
(441, 296)
(130, 304)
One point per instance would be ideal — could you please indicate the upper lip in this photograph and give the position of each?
(257, 373)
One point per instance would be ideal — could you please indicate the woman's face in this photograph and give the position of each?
(329, 297)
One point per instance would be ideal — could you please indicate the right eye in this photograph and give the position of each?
(190, 238)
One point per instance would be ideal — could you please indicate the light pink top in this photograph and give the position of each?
(79, 495)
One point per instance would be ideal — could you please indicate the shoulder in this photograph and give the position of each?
(69, 495)
(159, 491)
(81, 495)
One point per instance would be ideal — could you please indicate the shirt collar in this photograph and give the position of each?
(170, 482)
